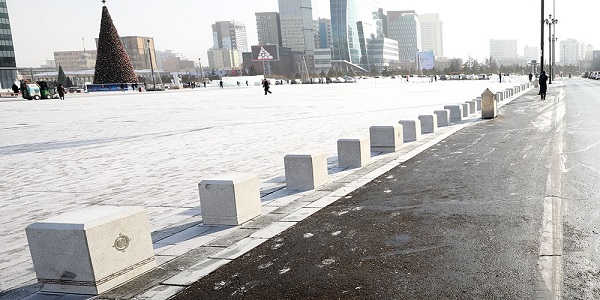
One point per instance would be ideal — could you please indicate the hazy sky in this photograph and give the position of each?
(41, 27)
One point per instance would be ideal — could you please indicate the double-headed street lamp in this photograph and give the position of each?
(550, 21)
(151, 65)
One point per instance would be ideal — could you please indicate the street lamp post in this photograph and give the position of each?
(151, 66)
(542, 39)
(550, 21)
(201, 70)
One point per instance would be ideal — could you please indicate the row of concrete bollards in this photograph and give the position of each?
(223, 202)
(97, 248)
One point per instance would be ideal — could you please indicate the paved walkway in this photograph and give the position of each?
(143, 150)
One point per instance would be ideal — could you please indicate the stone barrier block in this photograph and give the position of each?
(465, 109)
(499, 96)
(305, 171)
(353, 153)
(411, 130)
(536, 84)
(456, 112)
(443, 117)
(92, 250)
(230, 199)
(386, 138)
(478, 104)
(472, 106)
(429, 123)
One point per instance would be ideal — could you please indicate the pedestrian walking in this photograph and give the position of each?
(61, 92)
(221, 83)
(500, 77)
(543, 85)
(266, 85)
(122, 87)
(15, 88)
(530, 76)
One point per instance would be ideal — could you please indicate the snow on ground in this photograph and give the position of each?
(151, 149)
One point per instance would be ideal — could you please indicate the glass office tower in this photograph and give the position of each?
(297, 30)
(353, 24)
(8, 64)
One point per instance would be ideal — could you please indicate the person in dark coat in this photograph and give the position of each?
(266, 85)
(500, 77)
(61, 92)
(221, 83)
(15, 88)
(543, 85)
(530, 76)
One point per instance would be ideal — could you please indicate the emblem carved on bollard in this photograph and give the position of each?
(122, 242)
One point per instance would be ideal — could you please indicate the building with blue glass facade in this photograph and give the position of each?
(353, 24)
(8, 64)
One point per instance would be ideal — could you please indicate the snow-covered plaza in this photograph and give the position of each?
(151, 149)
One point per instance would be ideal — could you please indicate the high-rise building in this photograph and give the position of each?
(230, 35)
(432, 38)
(353, 24)
(8, 63)
(268, 27)
(404, 27)
(589, 52)
(570, 52)
(297, 25)
(531, 53)
(504, 52)
(323, 38)
(384, 22)
(75, 60)
(382, 52)
(223, 59)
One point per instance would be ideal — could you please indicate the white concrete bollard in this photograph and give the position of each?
(305, 171)
(353, 153)
(386, 138)
(456, 113)
(429, 123)
(443, 117)
(465, 109)
(478, 104)
(92, 250)
(411, 130)
(230, 199)
(472, 106)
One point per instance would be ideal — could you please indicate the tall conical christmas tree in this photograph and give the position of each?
(112, 62)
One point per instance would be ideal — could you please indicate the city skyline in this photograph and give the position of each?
(75, 24)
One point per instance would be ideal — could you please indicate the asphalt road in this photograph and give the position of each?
(481, 215)
(581, 190)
